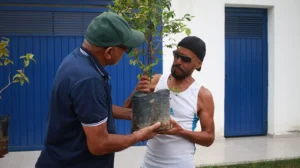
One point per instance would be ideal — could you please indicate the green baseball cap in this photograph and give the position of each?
(110, 29)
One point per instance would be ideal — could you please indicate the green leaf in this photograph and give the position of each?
(21, 81)
(139, 76)
(187, 31)
(20, 71)
(18, 76)
(1, 64)
(26, 79)
(141, 65)
(7, 61)
(16, 80)
(23, 57)
(29, 56)
(134, 62)
(152, 65)
(26, 63)
(148, 68)
(157, 60)
(5, 52)
(1, 53)
(147, 16)
(6, 39)
(3, 44)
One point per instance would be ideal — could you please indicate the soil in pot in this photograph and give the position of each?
(147, 109)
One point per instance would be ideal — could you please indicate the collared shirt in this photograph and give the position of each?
(81, 96)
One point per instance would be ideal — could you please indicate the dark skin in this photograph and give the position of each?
(205, 104)
(99, 141)
(121, 112)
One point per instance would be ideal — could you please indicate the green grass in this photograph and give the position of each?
(290, 163)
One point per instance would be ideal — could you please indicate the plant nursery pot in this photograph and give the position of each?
(147, 109)
(4, 123)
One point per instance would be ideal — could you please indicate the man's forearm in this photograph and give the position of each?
(121, 112)
(202, 138)
(114, 143)
(128, 101)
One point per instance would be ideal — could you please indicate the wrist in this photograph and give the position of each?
(182, 132)
(135, 137)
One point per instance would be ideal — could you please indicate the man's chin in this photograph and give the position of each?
(178, 77)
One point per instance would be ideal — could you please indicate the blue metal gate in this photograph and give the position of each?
(50, 34)
(246, 69)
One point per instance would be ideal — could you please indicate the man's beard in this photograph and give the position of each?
(177, 75)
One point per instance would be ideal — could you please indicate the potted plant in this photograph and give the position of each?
(157, 21)
(19, 77)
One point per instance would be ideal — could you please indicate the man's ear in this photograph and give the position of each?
(107, 53)
(199, 64)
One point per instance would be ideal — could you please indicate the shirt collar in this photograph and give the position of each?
(99, 68)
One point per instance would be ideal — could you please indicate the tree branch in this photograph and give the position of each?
(9, 83)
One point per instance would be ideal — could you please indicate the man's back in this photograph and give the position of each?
(65, 143)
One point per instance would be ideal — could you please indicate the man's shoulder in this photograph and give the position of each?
(75, 61)
(76, 64)
(205, 99)
(76, 69)
(204, 93)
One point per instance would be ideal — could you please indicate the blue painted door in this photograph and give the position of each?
(50, 36)
(246, 73)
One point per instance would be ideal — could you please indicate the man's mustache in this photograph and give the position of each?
(177, 66)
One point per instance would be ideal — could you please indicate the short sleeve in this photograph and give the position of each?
(89, 101)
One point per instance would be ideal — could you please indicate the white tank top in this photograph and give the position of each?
(168, 151)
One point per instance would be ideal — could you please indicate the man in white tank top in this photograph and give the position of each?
(189, 102)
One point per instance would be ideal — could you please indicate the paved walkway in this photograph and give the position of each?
(241, 150)
(223, 151)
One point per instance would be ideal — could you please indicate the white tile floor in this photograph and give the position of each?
(223, 151)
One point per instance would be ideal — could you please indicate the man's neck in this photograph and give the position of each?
(180, 85)
(95, 51)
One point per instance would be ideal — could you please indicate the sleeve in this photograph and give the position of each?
(89, 101)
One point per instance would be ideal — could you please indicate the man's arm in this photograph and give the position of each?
(121, 112)
(90, 106)
(100, 142)
(206, 114)
(143, 85)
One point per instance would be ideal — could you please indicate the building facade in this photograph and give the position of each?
(250, 65)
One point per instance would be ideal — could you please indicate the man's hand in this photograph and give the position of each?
(143, 84)
(176, 129)
(146, 133)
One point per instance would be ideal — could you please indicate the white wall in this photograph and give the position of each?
(286, 69)
(283, 57)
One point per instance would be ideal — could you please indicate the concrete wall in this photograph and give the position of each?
(283, 57)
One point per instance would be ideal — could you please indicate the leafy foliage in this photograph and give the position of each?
(20, 76)
(157, 21)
